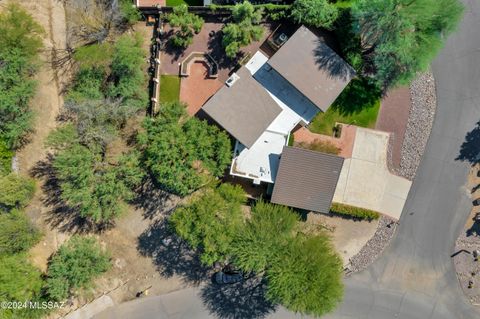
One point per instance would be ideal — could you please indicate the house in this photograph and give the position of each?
(266, 99)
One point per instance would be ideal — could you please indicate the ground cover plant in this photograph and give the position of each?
(354, 212)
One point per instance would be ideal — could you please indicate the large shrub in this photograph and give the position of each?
(74, 265)
(17, 233)
(210, 221)
(354, 212)
(183, 154)
(186, 25)
(16, 190)
(318, 13)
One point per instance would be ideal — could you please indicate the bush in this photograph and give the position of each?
(307, 276)
(320, 146)
(75, 264)
(20, 42)
(318, 13)
(129, 12)
(354, 212)
(244, 30)
(18, 234)
(264, 236)
(186, 23)
(6, 156)
(16, 190)
(210, 222)
(183, 155)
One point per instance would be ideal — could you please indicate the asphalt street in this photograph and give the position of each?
(415, 277)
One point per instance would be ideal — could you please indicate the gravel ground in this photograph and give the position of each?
(419, 125)
(374, 247)
(468, 270)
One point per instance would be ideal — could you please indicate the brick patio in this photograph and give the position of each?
(208, 40)
(197, 88)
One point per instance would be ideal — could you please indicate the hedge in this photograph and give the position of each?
(354, 212)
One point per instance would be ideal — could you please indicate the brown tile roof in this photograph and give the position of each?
(245, 109)
(306, 179)
(312, 67)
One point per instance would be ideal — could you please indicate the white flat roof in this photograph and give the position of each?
(260, 161)
(256, 62)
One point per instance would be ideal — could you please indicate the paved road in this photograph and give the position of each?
(414, 279)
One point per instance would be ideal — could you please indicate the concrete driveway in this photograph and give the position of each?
(365, 180)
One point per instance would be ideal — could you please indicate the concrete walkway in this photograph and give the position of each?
(365, 180)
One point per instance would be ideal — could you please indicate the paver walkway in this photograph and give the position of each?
(393, 118)
(197, 88)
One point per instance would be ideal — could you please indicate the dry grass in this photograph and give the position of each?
(320, 146)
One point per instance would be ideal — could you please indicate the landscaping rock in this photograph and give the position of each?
(419, 125)
(374, 247)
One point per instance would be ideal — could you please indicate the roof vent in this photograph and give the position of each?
(232, 79)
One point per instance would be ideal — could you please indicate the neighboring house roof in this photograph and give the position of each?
(245, 109)
(312, 67)
(306, 179)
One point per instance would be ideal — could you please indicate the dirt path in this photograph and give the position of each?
(46, 104)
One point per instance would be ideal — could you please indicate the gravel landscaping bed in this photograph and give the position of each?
(374, 247)
(419, 125)
(468, 270)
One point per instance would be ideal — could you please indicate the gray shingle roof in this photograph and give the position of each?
(245, 109)
(306, 179)
(312, 67)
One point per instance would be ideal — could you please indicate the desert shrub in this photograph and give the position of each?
(16, 190)
(18, 234)
(354, 212)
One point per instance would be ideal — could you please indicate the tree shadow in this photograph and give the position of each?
(171, 255)
(328, 60)
(474, 230)
(217, 52)
(240, 300)
(61, 216)
(470, 149)
(153, 200)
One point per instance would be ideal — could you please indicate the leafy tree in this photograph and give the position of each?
(87, 85)
(18, 234)
(307, 277)
(6, 156)
(16, 190)
(400, 37)
(183, 155)
(244, 30)
(20, 31)
(75, 264)
(186, 25)
(211, 221)
(97, 189)
(19, 280)
(265, 235)
(19, 45)
(128, 80)
(318, 13)
(130, 13)
(97, 122)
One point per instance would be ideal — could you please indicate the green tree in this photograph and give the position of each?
(186, 24)
(16, 190)
(6, 156)
(18, 234)
(243, 30)
(318, 13)
(307, 277)
(74, 265)
(129, 11)
(19, 46)
(183, 154)
(97, 189)
(400, 37)
(128, 80)
(210, 222)
(265, 235)
(19, 280)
